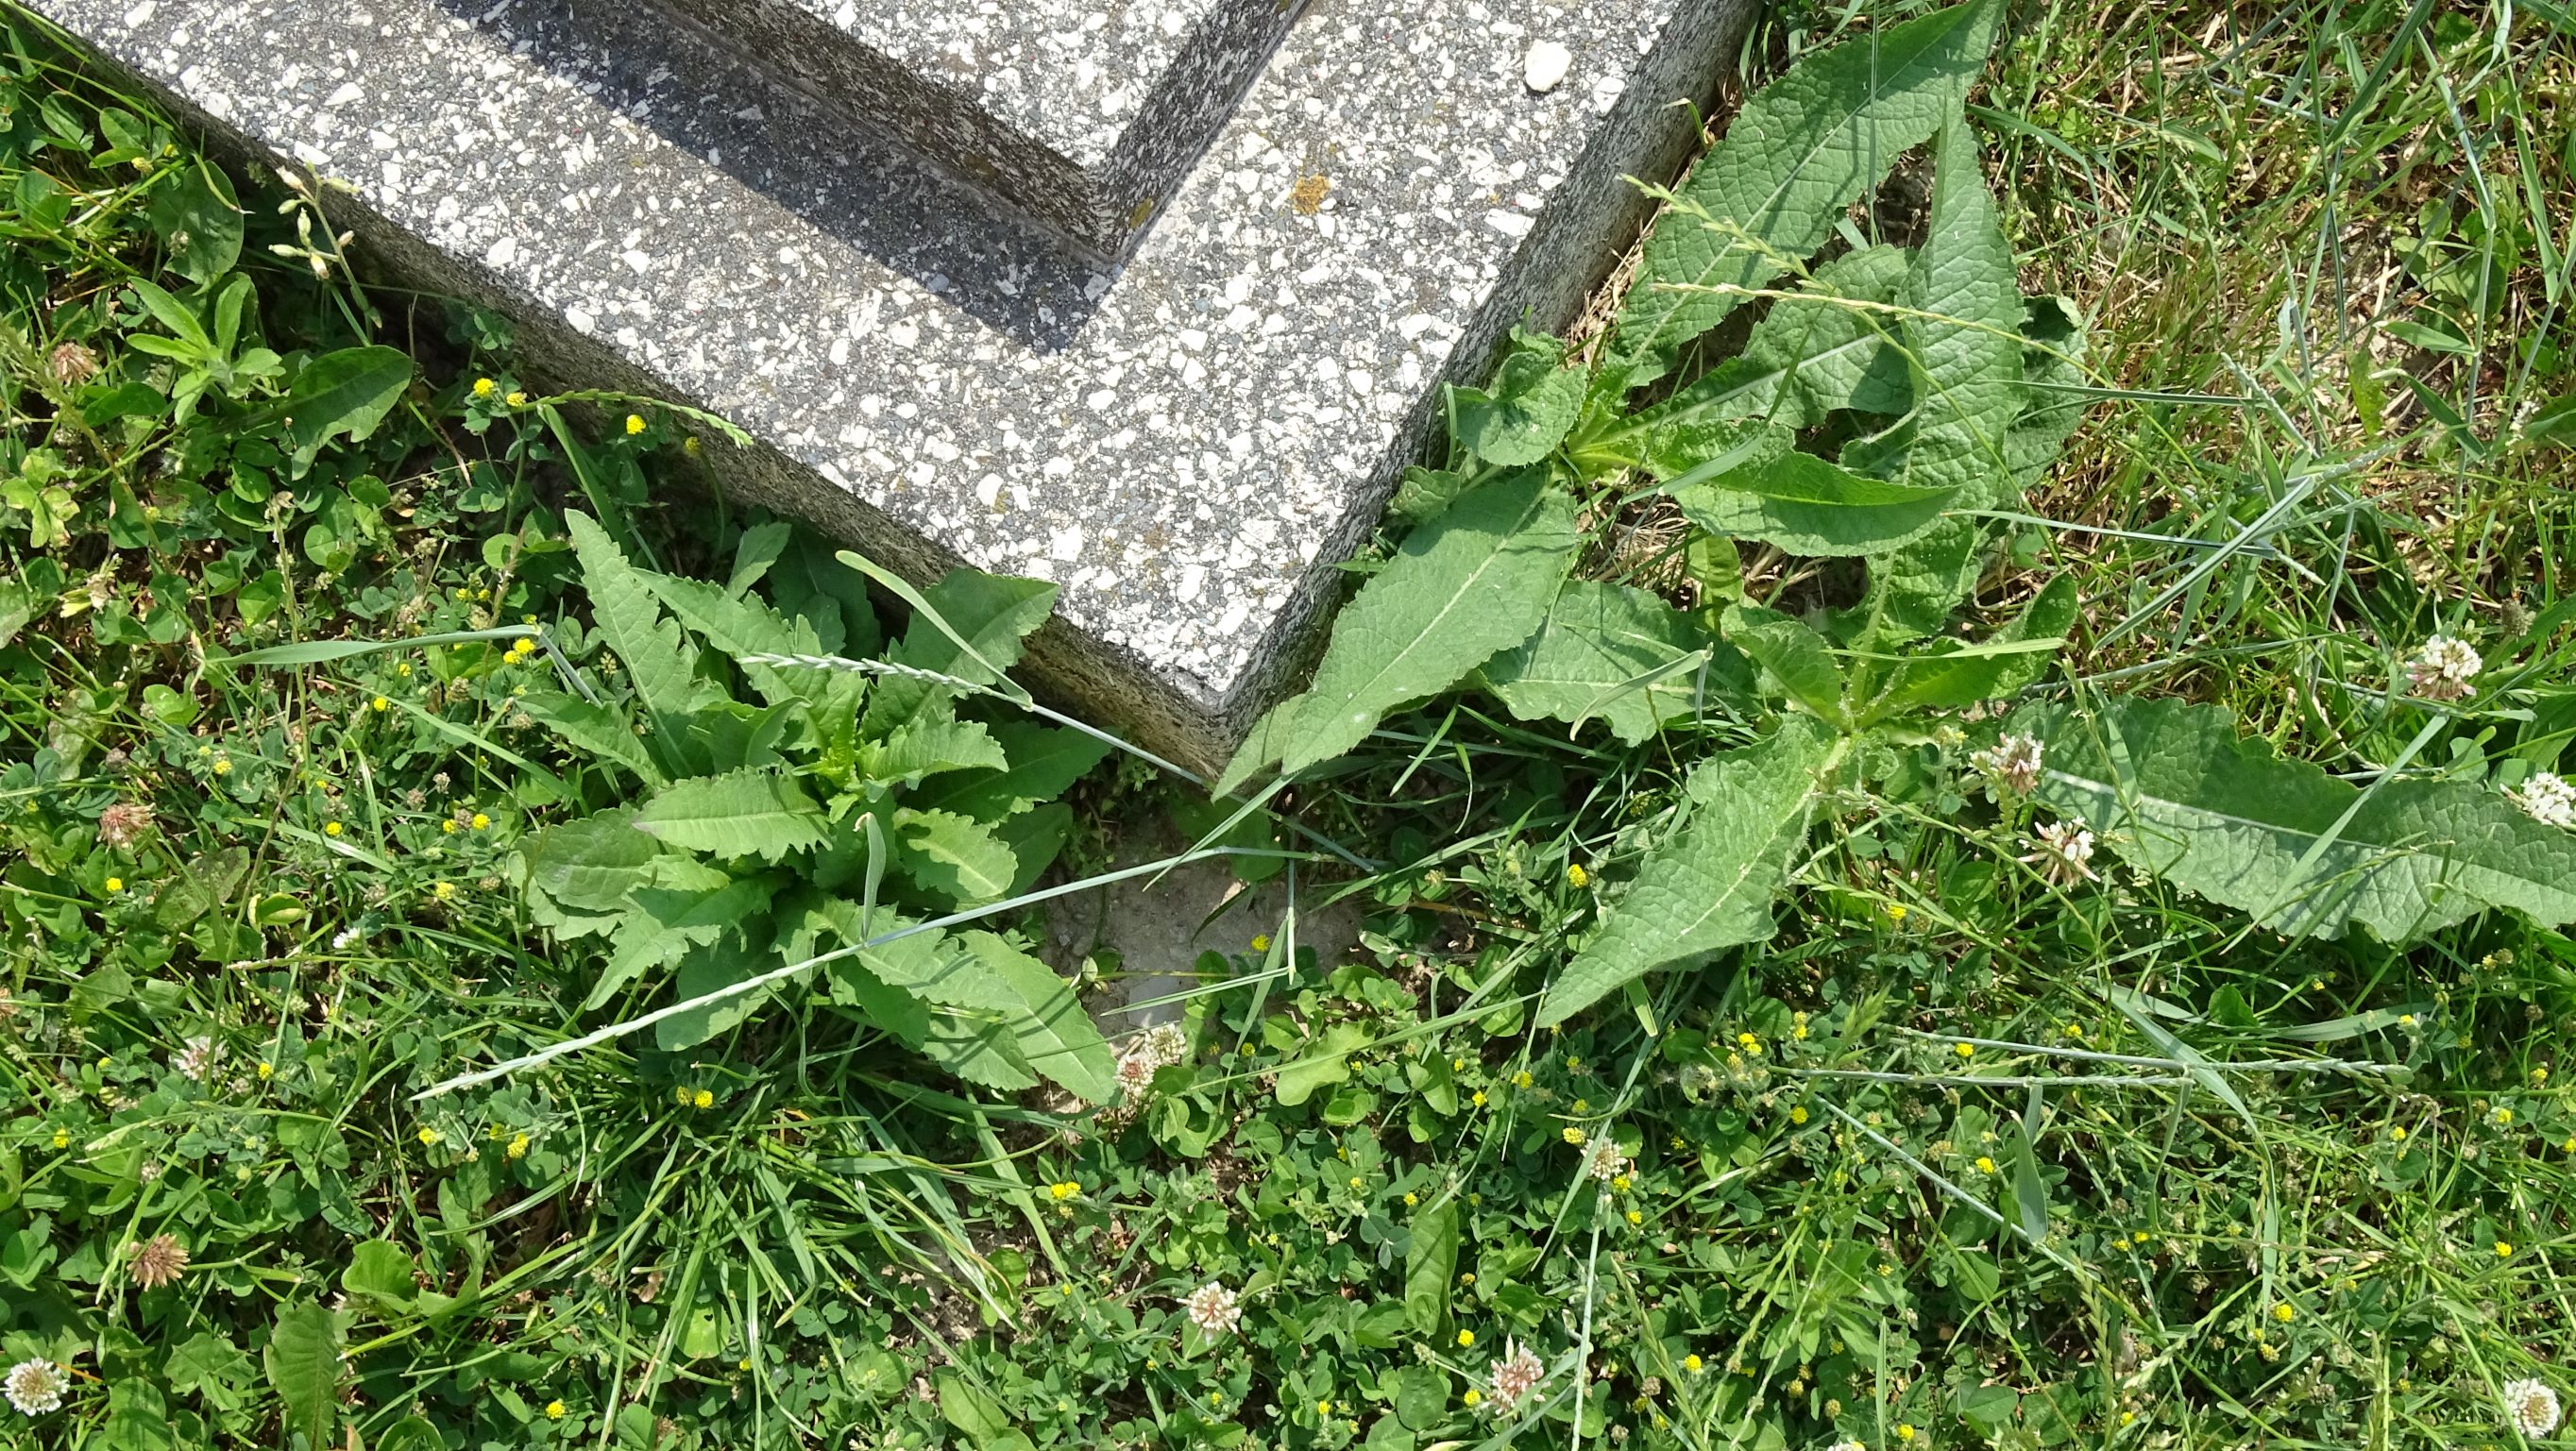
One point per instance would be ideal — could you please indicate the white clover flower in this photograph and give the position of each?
(196, 1058)
(1166, 1043)
(2012, 763)
(1513, 1379)
(2442, 669)
(345, 938)
(37, 1386)
(1213, 1308)
(2531, 1406)
(1604, 1160)
(1134, 1074)
(2064, 855)
(2547, 798)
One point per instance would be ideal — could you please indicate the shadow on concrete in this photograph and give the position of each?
(860, 188)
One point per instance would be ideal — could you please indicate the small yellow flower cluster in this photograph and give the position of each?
(485, 387)
(634, 424)
(1575, 874)
(1261, 942)
(332, 828)
(1063, 1190)
(520, 649)
(115, 885)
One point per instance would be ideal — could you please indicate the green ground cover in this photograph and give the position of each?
(1744, 1049)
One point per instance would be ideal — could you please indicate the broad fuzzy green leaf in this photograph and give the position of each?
(1054, 1035)
(590, 863)
(382, 1269)
(1809, 506)
(1711, 885)
(932, 966)
(2174, 790)
(1913, 590)
(742, 625)
(665, 924)
(1948, 680)
(716, 965)
(1962, 340)
(1042, 762)
(656, 658)
(992, 614)
(812, 922)
(981, 1051)
(956, 856)
(1800, 151)
(925, 747)
(303, 1361)
(1812, 355)
(1475, 581)
(1430, 1264)
(198, 220)
(829, 596)
(593, 729)
(741, 813)
(1792, 654)
(1530, 408)
(1034, 837)
(346, 393)
(1685, 452)
(1605, 650)
(2053, 355)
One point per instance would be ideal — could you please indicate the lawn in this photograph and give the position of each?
(1990, 870)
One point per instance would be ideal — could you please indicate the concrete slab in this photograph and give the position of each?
(1189, 444)
(1082, 114)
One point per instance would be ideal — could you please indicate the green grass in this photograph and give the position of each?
(1959, 1159)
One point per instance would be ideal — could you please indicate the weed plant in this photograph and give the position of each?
(1978, 870)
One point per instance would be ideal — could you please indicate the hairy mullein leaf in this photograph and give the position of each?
(1712, 884)
(1800, 151)
(622, 604)
(1608, 651)
(2052, 360)
(1533, 402)
(1831, 347)
(1809, 506)
(1475, 581)
(2176, 792)
(1962, 338)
